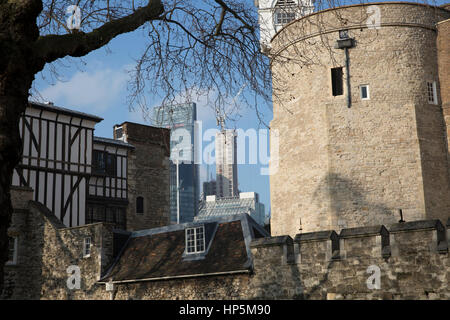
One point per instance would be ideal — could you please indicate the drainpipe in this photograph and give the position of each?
(347, 67)
(346, 43)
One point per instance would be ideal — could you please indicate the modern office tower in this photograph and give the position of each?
(209, 189)
(226, 164)
(184, 191)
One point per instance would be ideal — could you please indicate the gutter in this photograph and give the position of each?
(178, 277)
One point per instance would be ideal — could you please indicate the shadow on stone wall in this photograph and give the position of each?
(349, 206)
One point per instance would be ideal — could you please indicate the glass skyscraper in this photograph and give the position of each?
(181, 119)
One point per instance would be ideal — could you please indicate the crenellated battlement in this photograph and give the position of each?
(410, 259)
(373, 242)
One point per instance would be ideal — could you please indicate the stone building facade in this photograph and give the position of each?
(443, 47)
(362, 134)
(148, 170)
(405, 261)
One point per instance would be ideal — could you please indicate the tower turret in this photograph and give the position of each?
(274, 14)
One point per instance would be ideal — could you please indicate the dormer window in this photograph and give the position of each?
(285, 12)
(195, 240)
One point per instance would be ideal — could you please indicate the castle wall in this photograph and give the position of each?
(443, 48)
(345, 167)
(412, 259)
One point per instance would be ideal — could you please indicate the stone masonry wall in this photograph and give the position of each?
(148, 171)
(47, 249)
(343, 167)
(16, 275)
(412, 259)
(443, 49)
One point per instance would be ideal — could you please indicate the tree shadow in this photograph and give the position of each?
(349, 205)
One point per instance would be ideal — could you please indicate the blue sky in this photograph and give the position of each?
(97, 84)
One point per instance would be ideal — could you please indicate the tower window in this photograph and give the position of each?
(195, 240)
(337, 81)
(285, 12)
(284, 17)
(432, 92)
(364, 90)
(140, 205)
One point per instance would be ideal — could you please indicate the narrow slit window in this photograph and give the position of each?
(337, 81)
(87, 247)
(12, 251)
(140, 205)
(432, 92)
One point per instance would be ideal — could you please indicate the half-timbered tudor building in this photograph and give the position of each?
(108, 188)
(57, 159)
(84, 179)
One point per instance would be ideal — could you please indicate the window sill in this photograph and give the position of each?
(194, 256)
(10, 264)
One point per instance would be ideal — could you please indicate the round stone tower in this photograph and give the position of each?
(358, 109)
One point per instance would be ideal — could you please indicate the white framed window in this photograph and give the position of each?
(283, 17)
(87, 247)
(195, 240)
(432, 92)
(364, 92)
(285, 12)
(12, 250)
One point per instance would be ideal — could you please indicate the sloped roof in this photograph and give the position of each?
(157, 254)
(114, 142)
(53, 108)
(224, 207)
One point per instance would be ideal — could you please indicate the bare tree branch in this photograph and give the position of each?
(52, 47)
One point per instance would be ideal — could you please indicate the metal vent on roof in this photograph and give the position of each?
(285, 3)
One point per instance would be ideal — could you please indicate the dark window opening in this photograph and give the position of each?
(139, 205)
(364, 92)
(111, 165)
(104, 163)
(337, 81)
(12, 251)
(110, 214)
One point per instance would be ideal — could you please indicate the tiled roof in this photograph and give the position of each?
(160, 253)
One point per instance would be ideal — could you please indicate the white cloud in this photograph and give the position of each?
(93, 91)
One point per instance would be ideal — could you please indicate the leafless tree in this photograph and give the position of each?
(193, 46)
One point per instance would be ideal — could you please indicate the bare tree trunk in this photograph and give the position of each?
(10, 148)
(18, 32)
